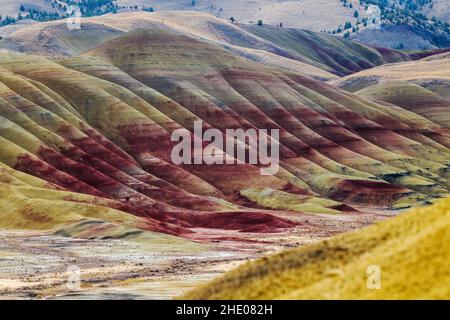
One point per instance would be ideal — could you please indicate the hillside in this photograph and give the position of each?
(86, 155)
(315, 54)
(337, 55)
(428, 72)
(307, 12)
(439, 9)
(115, 142)
(412, 24)
(420, 86)
(410, 250)
(12, 7)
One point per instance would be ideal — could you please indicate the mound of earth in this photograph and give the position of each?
(403, 258)
(100, 124)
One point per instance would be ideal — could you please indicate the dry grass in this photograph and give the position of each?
(412, 251)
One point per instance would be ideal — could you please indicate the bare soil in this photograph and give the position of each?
(35, 265)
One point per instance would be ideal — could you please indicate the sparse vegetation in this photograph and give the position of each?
(410, 251)
(403, 12)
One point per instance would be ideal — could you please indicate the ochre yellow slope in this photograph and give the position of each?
(411, 250)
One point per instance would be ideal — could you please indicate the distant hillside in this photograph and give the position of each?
(99, 123)
(319, 55)
(47, 10)
(439, 9)
(410, 24)
(12, 7)
(329, 52)
(411, 252)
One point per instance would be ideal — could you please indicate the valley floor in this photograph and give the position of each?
(36, 265)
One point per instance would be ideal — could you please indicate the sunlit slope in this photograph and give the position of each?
(100, 124)
(411, 250)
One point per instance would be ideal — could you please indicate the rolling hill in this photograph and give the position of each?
(412, 24)
(114, 143)
(86, 118)
(315, 54)
(420, 86)
(411, 251)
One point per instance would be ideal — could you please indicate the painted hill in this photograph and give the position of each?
(315, 54)
(420, 86)
(411, 251)
(100, 124)
(412, 24)
(430, 73)
(331, 53)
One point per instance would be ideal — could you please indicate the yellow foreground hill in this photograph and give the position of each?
(412, 252)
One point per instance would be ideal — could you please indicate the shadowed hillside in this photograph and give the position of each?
(411, 251)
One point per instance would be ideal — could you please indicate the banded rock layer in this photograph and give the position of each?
(100, 123)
